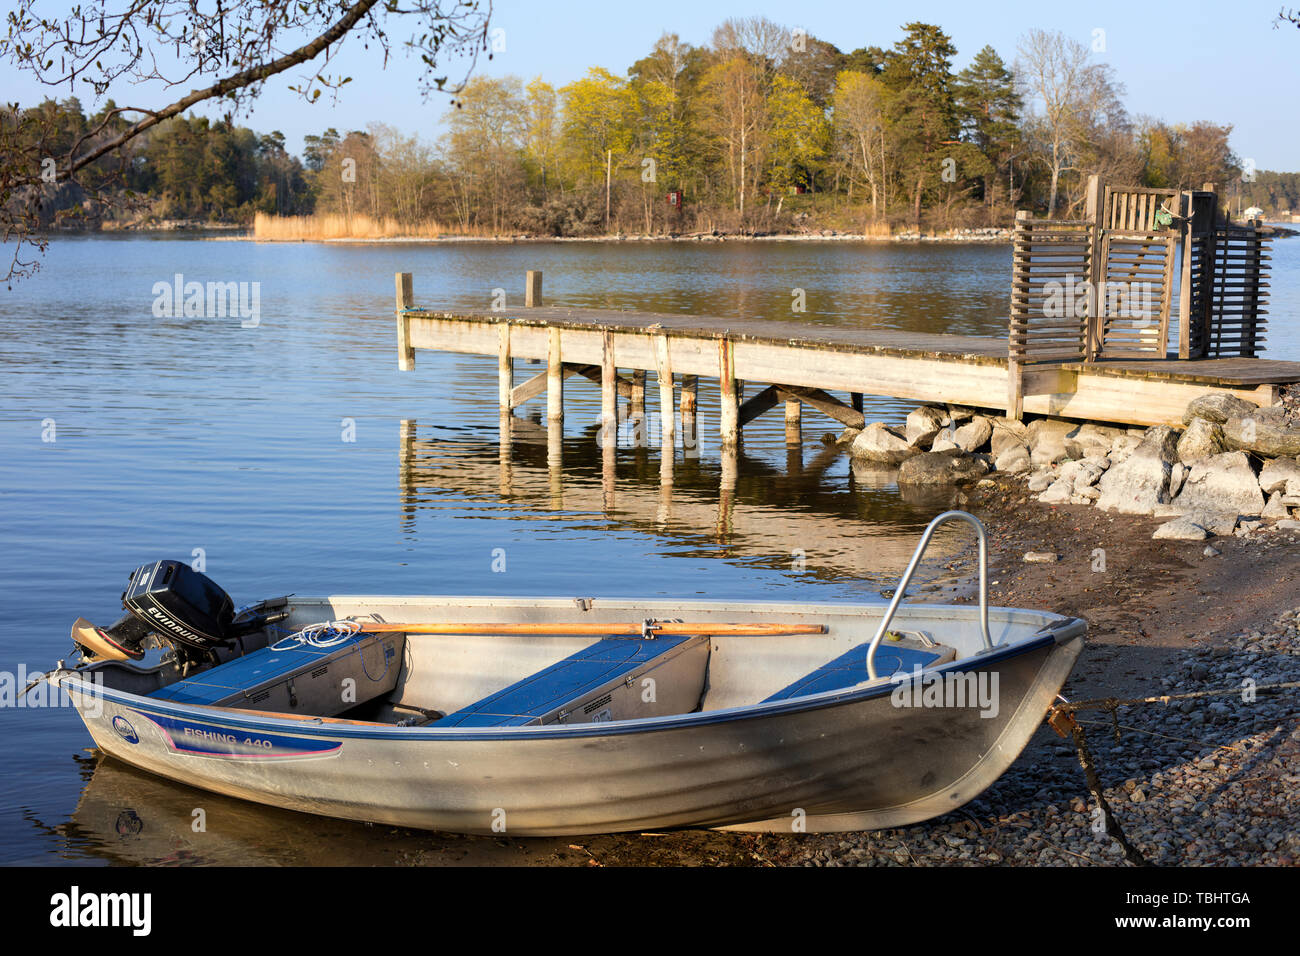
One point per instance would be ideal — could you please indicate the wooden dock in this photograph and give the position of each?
(1153, 298)
(794, 364)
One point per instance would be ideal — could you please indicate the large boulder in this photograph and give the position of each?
(1223, 484)
(1266, 431)
(1008, 433)
(1202, 439)
(924, 423)
(1217, 407)
(941, 468)
(1012, 459)
(1047, 441)
(973, 435)
(881, 443)
(1140, 482)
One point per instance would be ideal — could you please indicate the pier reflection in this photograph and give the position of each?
(818, 514)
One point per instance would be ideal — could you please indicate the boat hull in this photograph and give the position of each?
(864, 759)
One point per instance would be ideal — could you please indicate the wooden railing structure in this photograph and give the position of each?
(1103, 287)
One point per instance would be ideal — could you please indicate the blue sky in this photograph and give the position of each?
(1178, 61)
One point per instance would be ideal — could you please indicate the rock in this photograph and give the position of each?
(961, 413)
(924, 423)
(1217, 407)
(1211, 551)
(945, 440)
(846, 437)
(1201, 440)
(940, 468)
(1123, 446)
(1274, 509)
(1082, 474)
(1013, 459)
(1141, 481)
(1222, 483)
(1042, 557)
(1091, 439)
(1058, 492)
(1277, 474)
(1216, 522)
(879, 442)
(973, 435)
(1180, 529)
(1047, 441)
(1041, 480)
(1266, 431)
(1288, 525)
(1008, 433)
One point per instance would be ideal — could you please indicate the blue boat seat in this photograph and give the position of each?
(535, 697)
(851, 668)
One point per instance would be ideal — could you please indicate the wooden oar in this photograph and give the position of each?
(666, 628)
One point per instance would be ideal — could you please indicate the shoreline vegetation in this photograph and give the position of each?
(763, 132)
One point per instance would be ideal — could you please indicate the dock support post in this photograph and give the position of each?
(793, 421)
(729, 423)
(855, 399)
(1094, 212)
(608, 394)
(532, 289)
(405, 300)
(554, 379)
(608, 420)
(505, 369)
(664, 374)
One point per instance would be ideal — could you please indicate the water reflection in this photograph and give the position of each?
(723, 504)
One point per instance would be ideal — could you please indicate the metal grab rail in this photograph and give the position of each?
(911, 569)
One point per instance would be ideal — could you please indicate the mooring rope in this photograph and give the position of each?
(1061, 719)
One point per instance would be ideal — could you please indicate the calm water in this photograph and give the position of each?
(177, 434)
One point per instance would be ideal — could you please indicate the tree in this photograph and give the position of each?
(798, 133)
(989, 107)
(226, 52)
(484, 147)
(919, 70)
(859, 107)
(1057, 73)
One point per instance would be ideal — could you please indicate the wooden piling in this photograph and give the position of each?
(554, 379)
(729, 418)
(505, 369)
(664, 373)
(532, 289)
(608, 392)
(405, 300)
(793, 422)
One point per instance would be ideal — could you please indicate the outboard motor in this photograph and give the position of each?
(184, 607)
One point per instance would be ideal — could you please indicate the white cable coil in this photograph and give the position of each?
(321, 635)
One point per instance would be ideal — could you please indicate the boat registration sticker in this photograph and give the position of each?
(186, 736)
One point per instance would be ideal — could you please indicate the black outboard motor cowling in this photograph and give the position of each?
(182, 604)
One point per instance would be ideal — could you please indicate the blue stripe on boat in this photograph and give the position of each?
(528, 700)
(851, 668)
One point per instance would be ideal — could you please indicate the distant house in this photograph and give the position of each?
(1253, 212)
